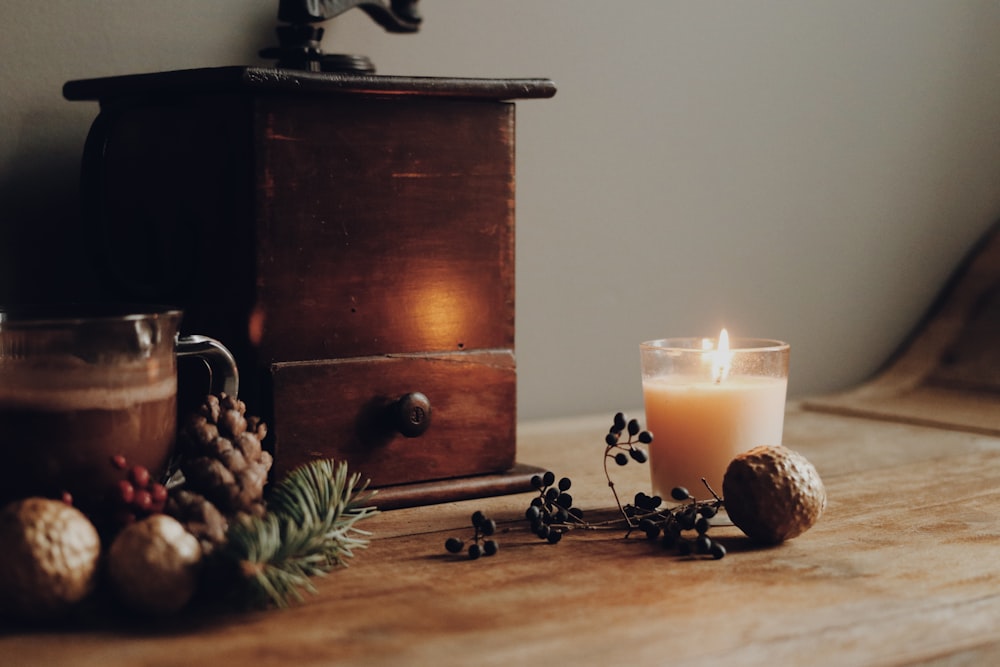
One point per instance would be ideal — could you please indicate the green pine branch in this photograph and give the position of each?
(309, 529)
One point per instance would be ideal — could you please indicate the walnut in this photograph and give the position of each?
(773, 494)
(49, 558)
(154, 565)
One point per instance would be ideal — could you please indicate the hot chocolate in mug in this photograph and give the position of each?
(81, 385)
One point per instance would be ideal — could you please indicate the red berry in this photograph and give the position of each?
(158, 493)
(158, 497)
(126, 491)
(67, 498)
(140, 476)
(119, 461)
(143, 501)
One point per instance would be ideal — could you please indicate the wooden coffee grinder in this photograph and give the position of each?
(350, 236)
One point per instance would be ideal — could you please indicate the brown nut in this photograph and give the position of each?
(773, 494)
(154, 565)
(48, 559)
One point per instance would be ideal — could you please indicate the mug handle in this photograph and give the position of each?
(223, 374)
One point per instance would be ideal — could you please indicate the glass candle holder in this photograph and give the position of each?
(708, 400)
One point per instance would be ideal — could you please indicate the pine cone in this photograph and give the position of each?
(200, 517)
(224, 465)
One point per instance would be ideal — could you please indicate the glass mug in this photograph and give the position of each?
(79, 386)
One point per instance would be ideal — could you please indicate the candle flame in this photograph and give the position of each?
(722, 358)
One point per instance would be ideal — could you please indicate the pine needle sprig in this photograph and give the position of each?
(321, 493)
(310, 528)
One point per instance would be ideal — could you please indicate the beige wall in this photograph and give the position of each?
(803, 170)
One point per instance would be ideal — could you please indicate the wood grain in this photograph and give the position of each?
(338, 409)
(384, 226)
(899, 570)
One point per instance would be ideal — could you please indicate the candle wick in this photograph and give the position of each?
(719, 373)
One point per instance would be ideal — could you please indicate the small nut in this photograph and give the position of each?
(773, 494)
(154, 565)
(49, 553)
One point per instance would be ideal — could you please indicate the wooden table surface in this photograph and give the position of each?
(902, 568)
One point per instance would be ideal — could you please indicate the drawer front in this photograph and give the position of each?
(384, 226)
(343, 409)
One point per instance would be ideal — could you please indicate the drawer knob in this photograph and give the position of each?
(412, 414)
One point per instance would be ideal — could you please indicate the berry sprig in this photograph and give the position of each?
(484, 527)
(552, 509)
(683, 527)
(621, 452)
(137, 495)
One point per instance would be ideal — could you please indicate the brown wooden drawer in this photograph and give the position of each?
(337, 409)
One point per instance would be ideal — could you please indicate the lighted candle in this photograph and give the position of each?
(708, 401)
